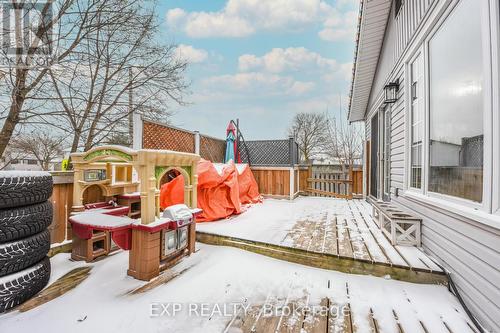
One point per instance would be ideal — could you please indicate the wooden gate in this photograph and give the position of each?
(335, 181)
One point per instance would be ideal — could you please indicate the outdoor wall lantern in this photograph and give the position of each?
(391, 92)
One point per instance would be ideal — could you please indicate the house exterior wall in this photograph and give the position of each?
(466, 244)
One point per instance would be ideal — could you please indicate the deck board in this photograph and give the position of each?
(330, 242)
(317, 321)
(318, 235)
(290, 322)
(360, 250)
(344, 240)
(328, 316)
(373, 246)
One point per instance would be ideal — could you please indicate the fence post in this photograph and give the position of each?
(291, 159)
(351, 184)
(137, 128)
(309, 177)
(291, 151)
(197, 142)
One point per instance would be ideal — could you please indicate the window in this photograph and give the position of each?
(32, 162)
(456, 101)
(417, 117)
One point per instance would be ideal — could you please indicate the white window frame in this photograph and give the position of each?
(495, 64)
(491, 120)
(409, 128)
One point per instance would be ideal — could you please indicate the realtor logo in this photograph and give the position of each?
(26, 36)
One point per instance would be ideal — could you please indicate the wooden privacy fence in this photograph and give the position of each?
(280, 182)
(62, 200)
(335, 181)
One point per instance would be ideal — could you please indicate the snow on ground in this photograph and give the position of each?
(221, 275)
(271, 220)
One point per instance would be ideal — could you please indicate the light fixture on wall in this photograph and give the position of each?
(391, 92)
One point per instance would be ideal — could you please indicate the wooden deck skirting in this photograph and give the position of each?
(327, 261)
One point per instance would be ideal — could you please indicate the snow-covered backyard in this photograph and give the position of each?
(223, 289)
(215, 276)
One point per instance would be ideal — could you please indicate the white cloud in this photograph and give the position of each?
(346, 70)
(191, 54)
(175, 16)
(343, 73)
(217, 24)
(335, 34)
(240, 18)
(257, 83)
(290, 59)
(248, 62)
(348, 3)
(299, 87)
(339, 26)
(326, 102)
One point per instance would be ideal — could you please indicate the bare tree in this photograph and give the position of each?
(120, 61)
(344, 141)
(106, 49)
(310, 131)
(10, 156)
(22, 76)
(42, 145)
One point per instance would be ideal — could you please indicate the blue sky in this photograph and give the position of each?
(261, 61)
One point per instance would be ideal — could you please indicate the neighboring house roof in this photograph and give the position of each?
(371, 28)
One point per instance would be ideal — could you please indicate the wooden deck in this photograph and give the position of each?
(354, 233)
(341, 228)
(300, 315)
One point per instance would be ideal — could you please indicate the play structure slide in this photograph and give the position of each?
(222, 190)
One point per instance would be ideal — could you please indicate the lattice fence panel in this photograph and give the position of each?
(266, 152)
(212, 149)
(471, 154)
(156, 136)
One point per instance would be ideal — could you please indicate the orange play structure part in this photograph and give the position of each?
(219, 194)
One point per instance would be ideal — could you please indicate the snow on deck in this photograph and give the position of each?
(220, 278)
(324, 225)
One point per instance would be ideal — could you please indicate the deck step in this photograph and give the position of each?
(327, 261)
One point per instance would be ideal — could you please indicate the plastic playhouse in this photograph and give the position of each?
(116, 204)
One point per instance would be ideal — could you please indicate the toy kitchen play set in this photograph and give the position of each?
(116, 205)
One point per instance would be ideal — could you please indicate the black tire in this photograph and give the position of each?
(18, 288)
(24, 188)
(20, 254)
(21, 222)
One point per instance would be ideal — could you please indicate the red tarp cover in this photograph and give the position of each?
(219, 194)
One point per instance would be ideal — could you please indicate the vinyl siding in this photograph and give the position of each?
(468, 249)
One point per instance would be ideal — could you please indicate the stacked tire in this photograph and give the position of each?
(25, 214)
